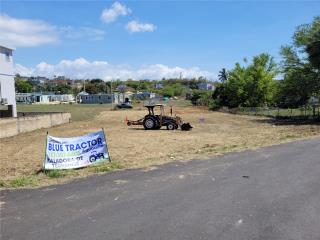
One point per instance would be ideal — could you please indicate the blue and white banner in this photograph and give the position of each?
(75, 152)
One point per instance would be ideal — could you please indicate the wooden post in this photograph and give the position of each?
(45, 152)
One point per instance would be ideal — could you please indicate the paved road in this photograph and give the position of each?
(271, 193)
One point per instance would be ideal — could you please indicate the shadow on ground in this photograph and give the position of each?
(286, 121)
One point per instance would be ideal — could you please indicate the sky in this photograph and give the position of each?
(145, 39)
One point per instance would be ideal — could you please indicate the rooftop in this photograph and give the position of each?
(8, 48)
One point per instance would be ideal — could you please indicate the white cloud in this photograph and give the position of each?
(26, 33)
(16, 32)
(22, 70)
(135, 26)
(83, 69)
(82, 33)
(111, 14)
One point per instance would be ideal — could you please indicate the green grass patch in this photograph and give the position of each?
(106, 167)
(79, 112)
(179, 103)
(22, 182)
(56, 173)
(288, 136)
(221, 149)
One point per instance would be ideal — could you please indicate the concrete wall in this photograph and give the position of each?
(13, 126)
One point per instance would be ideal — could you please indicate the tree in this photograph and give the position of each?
(62, 89)
(301, 66)
(223, 75)
(251, 85)
(23, 86)
(259, 82)
(235, 86)
(96, 86)
(313, 50)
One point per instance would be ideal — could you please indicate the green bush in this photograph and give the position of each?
(22, 181)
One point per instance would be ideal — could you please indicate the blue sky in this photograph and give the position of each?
(163, 38)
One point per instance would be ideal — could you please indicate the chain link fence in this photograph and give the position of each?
(303, 113)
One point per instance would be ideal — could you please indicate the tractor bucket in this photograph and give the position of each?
(186, 127)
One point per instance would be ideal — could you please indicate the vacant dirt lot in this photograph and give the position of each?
(214, 133)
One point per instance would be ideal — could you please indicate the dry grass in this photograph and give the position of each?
(22, 156)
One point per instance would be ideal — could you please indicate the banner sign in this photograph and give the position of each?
(75, 152)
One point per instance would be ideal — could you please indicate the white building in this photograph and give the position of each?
(205, 86)
(66, 98)
(7, 90)
(99, 98)
(44, 98)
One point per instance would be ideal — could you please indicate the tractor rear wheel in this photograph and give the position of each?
(149, 123)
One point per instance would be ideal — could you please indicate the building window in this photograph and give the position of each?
(7, 56)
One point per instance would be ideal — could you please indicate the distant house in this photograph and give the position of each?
(143, 95)
(158, 85)
(314, 100)
(7, 89)
(121, 88)
(205, 86)
(24, 98)
(62, 98)
(38, 80)
(43, 98)
(99, 98)
(83, 93)
(58, 81)
(35, 97)
(152, 95)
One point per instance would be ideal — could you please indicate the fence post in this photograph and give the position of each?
(305, 111)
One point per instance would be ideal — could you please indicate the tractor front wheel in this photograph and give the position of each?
(171, 126)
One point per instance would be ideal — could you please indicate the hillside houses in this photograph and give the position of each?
(56, 81)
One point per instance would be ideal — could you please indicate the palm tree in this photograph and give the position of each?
(223, 75)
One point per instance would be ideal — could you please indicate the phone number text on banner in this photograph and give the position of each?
(75, 152)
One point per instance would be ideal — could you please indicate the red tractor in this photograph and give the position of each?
(152, 121)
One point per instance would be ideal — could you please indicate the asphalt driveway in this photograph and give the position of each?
(269, 193)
